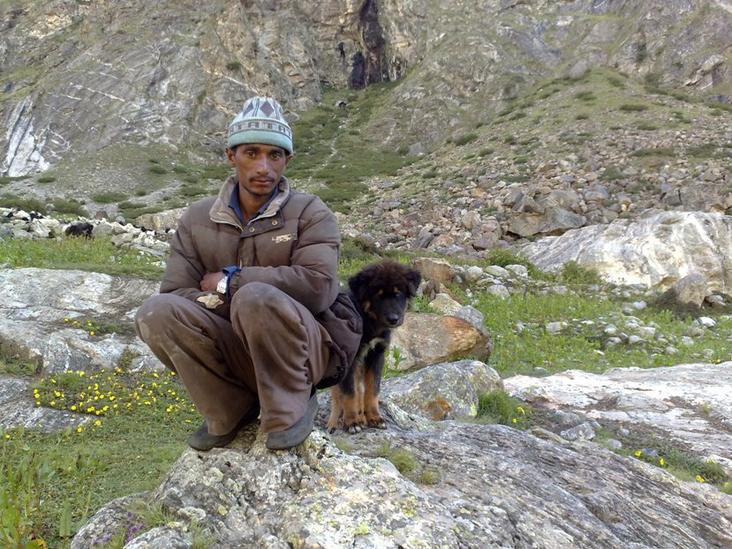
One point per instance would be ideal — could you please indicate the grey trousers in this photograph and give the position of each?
(271, 351)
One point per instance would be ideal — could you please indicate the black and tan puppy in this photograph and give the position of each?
(381, 293)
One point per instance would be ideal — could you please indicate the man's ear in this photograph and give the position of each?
(230, 155)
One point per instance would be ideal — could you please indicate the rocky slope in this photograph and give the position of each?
(81, 76)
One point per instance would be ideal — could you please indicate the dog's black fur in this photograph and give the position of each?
(381, 292)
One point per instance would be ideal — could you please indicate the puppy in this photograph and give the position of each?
(381, 292)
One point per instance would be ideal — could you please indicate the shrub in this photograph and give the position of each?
(498, 407)
(573, 273)
(582, 116)
(68, 206)
(585, 95)
(659, 151)
(465, 139)
(27, 204)
(233, 65)
(646, 126)
(158, 170)
(633, 107)
(108, 197)
(611, 173)
(46, 179)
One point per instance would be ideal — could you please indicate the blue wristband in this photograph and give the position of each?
(229, 272)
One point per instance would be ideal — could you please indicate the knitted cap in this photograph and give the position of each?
(261, 121)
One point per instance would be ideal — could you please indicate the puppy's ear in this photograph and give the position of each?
(357, 283)
(413, 279)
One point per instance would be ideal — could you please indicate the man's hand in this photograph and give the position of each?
(210, 281)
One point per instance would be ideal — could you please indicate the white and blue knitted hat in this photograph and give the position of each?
(261, 121)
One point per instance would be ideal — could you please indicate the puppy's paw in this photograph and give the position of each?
(353, 429)
(377, 424)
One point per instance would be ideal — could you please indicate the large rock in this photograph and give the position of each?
(444, 391)
(688, 404)
(161, 221)
(686, 293)
(655, 251)
(553, 220)
(426, 339)
(460, 485)
(39, 309)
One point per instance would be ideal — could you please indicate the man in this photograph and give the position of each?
(244, 314)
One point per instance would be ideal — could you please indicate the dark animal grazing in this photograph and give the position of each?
(80, 229)
(381, 293)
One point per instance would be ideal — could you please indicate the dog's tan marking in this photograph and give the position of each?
(335, 421)
(352, 403)
(371, 401)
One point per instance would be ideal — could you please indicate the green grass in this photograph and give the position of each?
(676, 461)
(498, 407)
(26, 204)
(52, 483)
(97, 255)
(334, 147)
(582, 346)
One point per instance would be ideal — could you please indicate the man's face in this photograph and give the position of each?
(259, 167)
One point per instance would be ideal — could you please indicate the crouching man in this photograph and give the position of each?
(248, 315)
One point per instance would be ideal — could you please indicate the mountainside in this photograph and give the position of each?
(80, 76)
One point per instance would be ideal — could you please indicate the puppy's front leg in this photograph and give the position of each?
(335, 421)
(372, 380)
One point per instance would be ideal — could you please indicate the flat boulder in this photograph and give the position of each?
(71, 320)
(687, 405)
(653, 251)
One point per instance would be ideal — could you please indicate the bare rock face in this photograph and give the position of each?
(688, 404)
(654, 251)
(463, 485)
(48, 316)
(80, 76)
(426, 339)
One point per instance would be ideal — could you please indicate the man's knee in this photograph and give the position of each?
(257, 298)
(155, 313)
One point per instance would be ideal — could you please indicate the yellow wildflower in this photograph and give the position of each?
(699, 478)
(73, 408)
(98, 423)
(91, 332)
(521, 410)
(514, 420)
(79, 429)
(662, 462)
(638, 453)
(7, 437)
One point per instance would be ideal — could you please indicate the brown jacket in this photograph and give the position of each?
(293, 245)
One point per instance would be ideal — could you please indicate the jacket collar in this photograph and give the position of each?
(220, 211)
